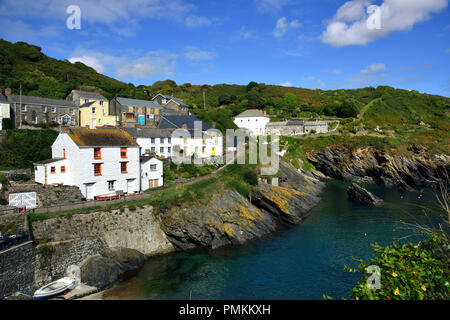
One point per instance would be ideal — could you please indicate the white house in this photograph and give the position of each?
(4, 109)
(100, 162)
(253, 120)
(151, 172)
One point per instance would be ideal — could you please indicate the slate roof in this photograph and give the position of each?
(42, 101)
(138, 103)
(144, 158)
(87, 104)
(49, 161)
(149, 132)
(180, 102)
(251, 113)
(89, 95)
(175, 122)
(106, 137)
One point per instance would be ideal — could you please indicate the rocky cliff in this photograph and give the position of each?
(370, 165)
(229, 218)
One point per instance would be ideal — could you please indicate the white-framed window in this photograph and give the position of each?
(72, 111)
(169, 140)
(153, 167)
(111, 185)
(86, 100)
(104, 112)
(169, 149)
(44, 109)
(53, 119)
(53, 109)
(23, 108)
(101, 102)
(93, 110)
(161, 149)
(152, 140)
(153, 149)
(161, 140)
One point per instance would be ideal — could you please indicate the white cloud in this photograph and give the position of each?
(374, 68)
(287, 84)
(309, 78)
(284, 26)
(197, 21)
(447, 51)
(89, 61)
(336, 71)
(349, 27)
(196, 54)
(246, 34)
(128, 65)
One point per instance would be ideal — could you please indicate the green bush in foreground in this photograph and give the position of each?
(409, 272)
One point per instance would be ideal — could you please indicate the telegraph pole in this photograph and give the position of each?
(20, 101)
(204, 100)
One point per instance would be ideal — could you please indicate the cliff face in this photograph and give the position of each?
(369, 165)
(229, 218)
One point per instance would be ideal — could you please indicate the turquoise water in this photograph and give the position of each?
(297, 262)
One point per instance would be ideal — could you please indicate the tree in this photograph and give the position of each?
(255, 100)
(252, 85)
(7, 124)
(290, 100)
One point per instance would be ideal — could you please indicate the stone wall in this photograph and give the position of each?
(48, 196)
(13, 221)
(17, 270)
(52, 259)
(138, 229)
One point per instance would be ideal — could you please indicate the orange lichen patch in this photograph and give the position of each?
(110, 137)
(282, 197)
(249, 213)
(228, 230)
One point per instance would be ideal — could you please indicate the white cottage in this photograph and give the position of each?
(151, 172)
(252, 120)
(100, 162)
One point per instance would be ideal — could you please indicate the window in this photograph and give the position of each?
(185, 140)
(104, 112)
(101, 102)
(123, 167)
(97, 153)
(153, 149)
(53, 109)
(86, 100)
(23, 108)
(111, 185)
(169, 140)
(93, 110)
(153, 140)
(161, 150)
(52, 169)
(97, 169)
(123, 152)
(153, 167)
(169, 149)
(53, 119)
(44, 109)
(72, 111)
(204, 141)
(63, 169)
(161, 140)
(204, 149)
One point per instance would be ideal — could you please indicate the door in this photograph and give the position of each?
(214, 151)
(150, 183)
(155, 183)
(93, 123)
(130, 186)
(90, 191)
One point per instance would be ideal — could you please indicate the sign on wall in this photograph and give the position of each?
(24, 199)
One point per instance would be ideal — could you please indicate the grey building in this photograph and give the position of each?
(42, 110)
(293, 128)
(172, 103)
(134, 111)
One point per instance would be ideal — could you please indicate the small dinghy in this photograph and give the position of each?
(56, 288)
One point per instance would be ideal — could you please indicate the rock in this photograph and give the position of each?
(370, 165)
(231, 219)
(101, 271)
(20, 296)
(359, 194)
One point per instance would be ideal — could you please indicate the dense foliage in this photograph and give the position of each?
(409, 272)
(20, 148)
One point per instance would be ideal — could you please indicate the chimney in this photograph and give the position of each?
(7, 91)
(184, 125)
(64, 129)
(100, 91)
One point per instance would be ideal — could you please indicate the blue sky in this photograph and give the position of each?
(305, 43)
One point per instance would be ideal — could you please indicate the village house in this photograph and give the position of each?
(93, 109)
(5, 112)
(154, 140)
(134, 111)
(252, 120)
(42, 110)
(151, 172)
(193, 137)
(99, 162)
(293, 128)
(172, 103)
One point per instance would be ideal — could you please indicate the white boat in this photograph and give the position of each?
(55, 288)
